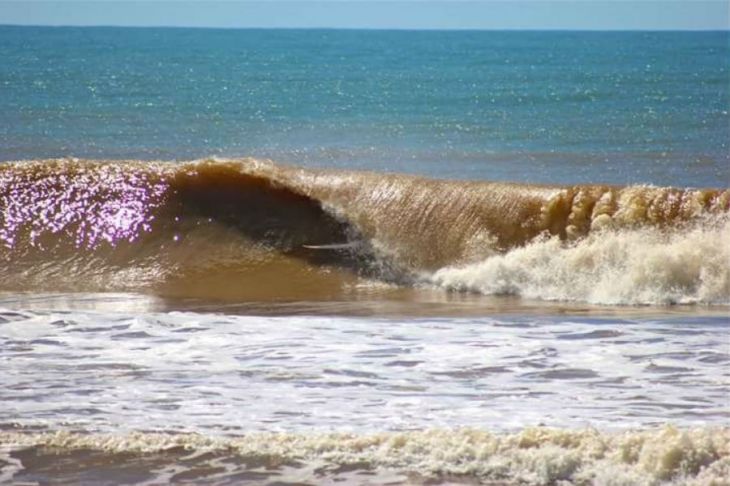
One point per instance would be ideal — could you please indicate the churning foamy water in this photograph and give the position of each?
(258, 373)
(636, 266)
(311, 398)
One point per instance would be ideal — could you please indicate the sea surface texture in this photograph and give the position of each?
(559, 107)
(364, 257)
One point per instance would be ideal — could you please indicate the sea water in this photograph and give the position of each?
(603, 359)
(560, 107)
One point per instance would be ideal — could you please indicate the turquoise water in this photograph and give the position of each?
(567, 107)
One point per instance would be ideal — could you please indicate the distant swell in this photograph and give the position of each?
(251, 229)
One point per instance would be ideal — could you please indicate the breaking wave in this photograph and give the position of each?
(537, 456)
(634, 266)
(252, 229)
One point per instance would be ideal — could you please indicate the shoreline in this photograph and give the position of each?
(665, 455)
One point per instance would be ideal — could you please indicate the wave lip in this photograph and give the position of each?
(533, 456)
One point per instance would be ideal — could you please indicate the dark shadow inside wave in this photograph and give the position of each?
(271, 215)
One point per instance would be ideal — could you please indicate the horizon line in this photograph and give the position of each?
(383, 29)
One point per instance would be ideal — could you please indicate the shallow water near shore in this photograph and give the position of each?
(244, 373)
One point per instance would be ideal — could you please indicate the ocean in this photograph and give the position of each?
(364, 257)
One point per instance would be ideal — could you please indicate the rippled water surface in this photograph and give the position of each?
(554, 107)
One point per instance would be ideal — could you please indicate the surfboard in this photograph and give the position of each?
(333, 246)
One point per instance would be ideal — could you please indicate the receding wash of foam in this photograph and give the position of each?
(211, 227)
(537, 456)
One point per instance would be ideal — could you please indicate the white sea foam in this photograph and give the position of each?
(638, 266)
(187, 372)
(537, 456)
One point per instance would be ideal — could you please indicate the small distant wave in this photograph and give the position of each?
(255, 230)
(537, 456)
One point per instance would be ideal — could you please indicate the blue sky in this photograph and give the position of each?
(404, 14)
